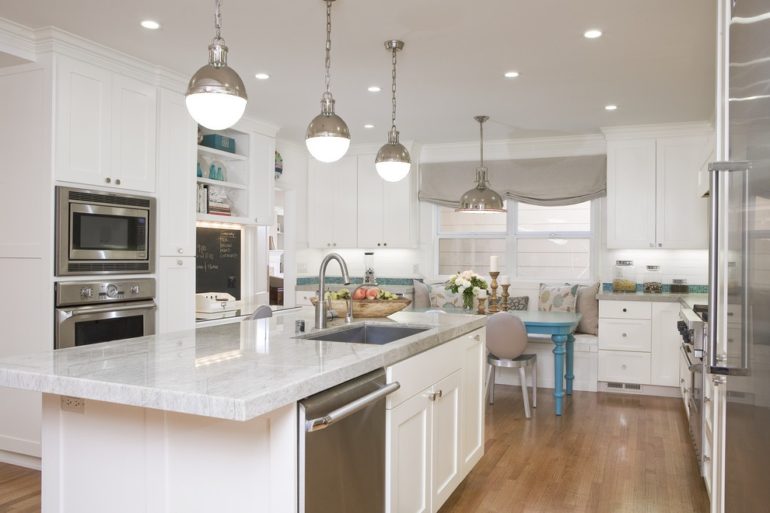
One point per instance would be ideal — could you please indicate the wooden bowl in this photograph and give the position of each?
(368, 308)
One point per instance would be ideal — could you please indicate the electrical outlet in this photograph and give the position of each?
(73, 404)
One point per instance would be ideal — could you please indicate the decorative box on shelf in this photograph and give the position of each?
(219, 142)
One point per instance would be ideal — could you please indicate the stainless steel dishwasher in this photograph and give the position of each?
(342, 447)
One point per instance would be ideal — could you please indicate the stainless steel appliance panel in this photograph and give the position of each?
(342, 447)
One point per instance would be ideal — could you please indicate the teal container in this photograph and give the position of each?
(219, 142)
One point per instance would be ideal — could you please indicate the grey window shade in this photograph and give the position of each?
(549, 181)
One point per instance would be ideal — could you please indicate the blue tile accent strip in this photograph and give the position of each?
(692, 289)
(356, 280)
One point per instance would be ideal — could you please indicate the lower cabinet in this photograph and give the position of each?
(176, 294)
(435, 425)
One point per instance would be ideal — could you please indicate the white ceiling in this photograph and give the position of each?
(655, 60)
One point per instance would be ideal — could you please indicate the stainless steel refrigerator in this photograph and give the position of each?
(739, 276)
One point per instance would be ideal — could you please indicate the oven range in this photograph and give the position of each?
(89, 312)
(693, 328)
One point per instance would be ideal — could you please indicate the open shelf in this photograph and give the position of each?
(212, 218)
(222, 183)
(221, 155)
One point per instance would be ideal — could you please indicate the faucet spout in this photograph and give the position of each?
(320, 307)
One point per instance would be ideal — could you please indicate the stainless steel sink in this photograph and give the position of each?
(367, 334)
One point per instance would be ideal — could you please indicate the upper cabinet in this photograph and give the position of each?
(653, 199)
(385, 209)
(333, 203)
(104, 127)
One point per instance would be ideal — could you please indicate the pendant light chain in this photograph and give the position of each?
(218, 20)
(328, 61)
(393, 89)
(481, 135)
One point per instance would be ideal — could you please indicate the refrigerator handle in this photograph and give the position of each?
(717, 364)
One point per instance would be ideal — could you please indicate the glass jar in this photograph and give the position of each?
(624, 278)
(653, 281)
(679, 286)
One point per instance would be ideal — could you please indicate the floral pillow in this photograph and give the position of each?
(557, 298)
(519, 303)
(441, 297)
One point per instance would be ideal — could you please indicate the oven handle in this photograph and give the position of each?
(690, 366)
(349, 409)
(87, 310)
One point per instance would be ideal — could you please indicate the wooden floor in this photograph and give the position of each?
(19, 490)
(608, 453)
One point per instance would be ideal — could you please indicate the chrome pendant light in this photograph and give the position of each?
(216, 96)
(328, 137)
(393, 161)
(481, 199)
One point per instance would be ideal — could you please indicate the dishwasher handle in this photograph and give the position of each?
(342, 412)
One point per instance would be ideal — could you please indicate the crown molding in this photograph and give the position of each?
(510, 149)
(695, 128)
(17, 40)
(256, 125)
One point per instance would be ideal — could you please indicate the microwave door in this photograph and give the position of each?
(107, 233)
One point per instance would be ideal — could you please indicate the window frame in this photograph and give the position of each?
(511, 235)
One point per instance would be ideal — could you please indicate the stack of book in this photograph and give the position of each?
(213, 201)
(219, 209)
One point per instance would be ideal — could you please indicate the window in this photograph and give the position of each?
(532, 242)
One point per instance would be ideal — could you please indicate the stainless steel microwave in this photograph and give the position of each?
(103, 233)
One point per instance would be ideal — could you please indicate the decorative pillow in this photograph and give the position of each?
(557, 298)
(421, 295)
(518, 303)
(588, 305)
(440, 297)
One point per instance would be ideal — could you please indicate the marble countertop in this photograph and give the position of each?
(685, 299)
(235, 371)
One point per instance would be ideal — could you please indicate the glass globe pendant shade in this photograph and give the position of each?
(393, 161)
(481, 199)
(328, 137)
(216, 97)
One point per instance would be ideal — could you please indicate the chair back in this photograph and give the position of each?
(262, 312)
(506, 335)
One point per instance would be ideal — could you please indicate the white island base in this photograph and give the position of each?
(144, 460)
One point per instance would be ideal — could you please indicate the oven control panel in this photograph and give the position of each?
(84, 293)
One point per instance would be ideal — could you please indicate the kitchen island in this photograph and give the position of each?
(200, 420)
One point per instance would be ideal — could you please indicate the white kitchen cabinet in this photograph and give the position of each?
(104, 127)
(409, 433)
(176, 294)
(666, 341)
(333, 203)
(653, 198)
(176, 180)
(472, 429)
(446, 469)
(262, 178)
(385, 209)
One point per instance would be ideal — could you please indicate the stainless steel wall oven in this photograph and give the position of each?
(103, 233)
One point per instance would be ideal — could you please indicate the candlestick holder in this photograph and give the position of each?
(493, 306)
(505, 306)
(482, 301)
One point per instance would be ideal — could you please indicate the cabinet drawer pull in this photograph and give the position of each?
(179, 250)
(179, 262)
(107, 180)
(384, 243)
(117, 182)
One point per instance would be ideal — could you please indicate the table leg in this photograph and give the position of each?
(558, 367)
(570, 362)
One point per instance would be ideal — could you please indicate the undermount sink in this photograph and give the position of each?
(367, 334)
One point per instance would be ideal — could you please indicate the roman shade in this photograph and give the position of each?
(549, 181)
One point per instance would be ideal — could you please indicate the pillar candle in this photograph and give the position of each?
(482, 294)
(493, 264)
(504, 280)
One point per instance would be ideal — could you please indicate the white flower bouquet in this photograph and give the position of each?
(468, 284)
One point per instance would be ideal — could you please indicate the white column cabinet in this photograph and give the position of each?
(332, 204)
(384, 208)
(176, 294)
(666, 341)
(262, 164)
(653, 198)
(176, 180)
(446, 470)
(104, 127)
(472, 429)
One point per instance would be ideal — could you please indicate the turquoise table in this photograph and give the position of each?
(559, 325)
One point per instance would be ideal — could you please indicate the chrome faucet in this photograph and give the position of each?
(320, 307)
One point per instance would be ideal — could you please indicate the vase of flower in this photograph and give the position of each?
(468, 284)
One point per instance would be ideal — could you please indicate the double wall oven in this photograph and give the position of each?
(98, 235)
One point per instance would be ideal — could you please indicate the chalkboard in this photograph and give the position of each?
(218, 261)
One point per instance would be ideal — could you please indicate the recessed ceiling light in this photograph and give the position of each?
(262, 76)
(368, 125)
(511, 74)
(610, 107)
(592, 34)
(374, 89)
(150, 24)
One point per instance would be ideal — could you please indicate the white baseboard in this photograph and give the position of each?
(655, 390)
(20, 460)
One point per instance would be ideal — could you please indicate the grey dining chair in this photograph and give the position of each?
(262, 312)
(506, 342)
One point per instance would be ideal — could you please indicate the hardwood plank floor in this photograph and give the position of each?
(19, 490)
(608, 453)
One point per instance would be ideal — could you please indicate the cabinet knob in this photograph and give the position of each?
(625, 335)
(108, 180)
(624, 366)
(328, 244)
(179, 250)
(334, 244)
(660, 244)
(379, 244)
(117, 182)
(384, 243)
(179, 262)
(476, 337)
(706, 399)
(625, 310)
